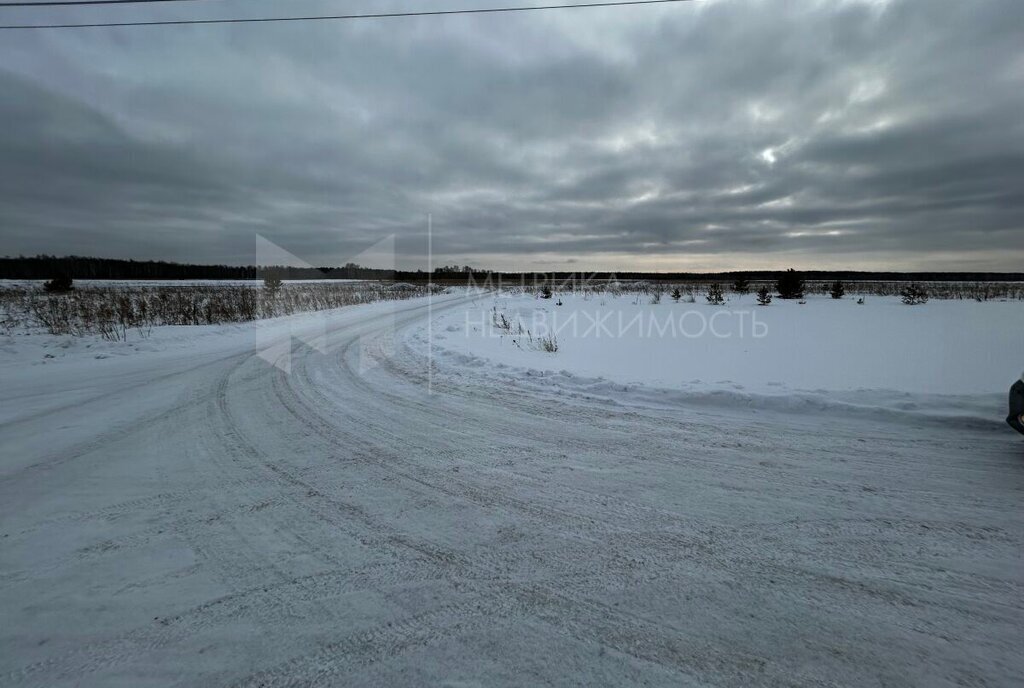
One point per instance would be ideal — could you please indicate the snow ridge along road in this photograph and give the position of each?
(197, 516)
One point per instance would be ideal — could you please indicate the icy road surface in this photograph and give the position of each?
(193, 515)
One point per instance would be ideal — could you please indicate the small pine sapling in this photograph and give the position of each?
(790, 285)
(272, 283)
(61, 284)
(913, 295)
(715, 296)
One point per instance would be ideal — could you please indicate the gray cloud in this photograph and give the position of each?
(718, 134)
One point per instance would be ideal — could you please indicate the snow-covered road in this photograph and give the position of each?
(196, 516)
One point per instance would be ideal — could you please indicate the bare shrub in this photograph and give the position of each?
(57, 315)
(500, 321)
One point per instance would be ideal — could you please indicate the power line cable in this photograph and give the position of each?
(64, 3)
(337, 17)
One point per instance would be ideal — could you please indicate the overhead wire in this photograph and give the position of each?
(335, 17)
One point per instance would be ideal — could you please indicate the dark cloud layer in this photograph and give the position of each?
(716, 134)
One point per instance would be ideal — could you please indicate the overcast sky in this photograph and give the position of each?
(708, 135)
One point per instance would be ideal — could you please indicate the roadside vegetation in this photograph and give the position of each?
(520, 335)
(113, 311)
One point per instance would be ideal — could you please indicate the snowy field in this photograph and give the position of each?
(384, 495)
(942, 358)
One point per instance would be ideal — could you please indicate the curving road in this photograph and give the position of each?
(207, 518)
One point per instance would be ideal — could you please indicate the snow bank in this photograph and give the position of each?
(951, 359)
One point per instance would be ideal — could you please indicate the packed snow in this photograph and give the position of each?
(376, 496)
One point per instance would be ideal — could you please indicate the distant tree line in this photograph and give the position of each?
(742, 278)
(80, 267)
(45, 267)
